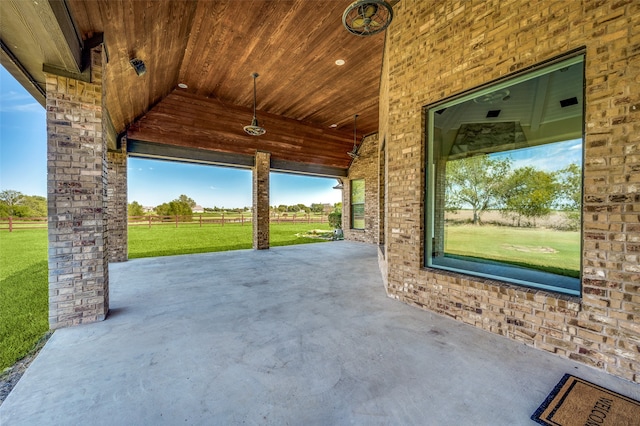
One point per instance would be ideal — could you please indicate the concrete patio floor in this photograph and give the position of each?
(298, 335)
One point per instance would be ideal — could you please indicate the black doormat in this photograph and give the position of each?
(577, 402)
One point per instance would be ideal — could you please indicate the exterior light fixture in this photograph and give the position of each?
(254, 128)
(354, 152)
(138, 66)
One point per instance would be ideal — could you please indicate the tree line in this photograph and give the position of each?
(485, 183)
(14, 203)
(184, 205)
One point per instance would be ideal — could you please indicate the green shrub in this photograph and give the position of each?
(335, 220)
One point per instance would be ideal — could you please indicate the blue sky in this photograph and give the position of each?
(549, 157)
(23, 166)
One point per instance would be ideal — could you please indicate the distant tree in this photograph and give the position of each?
(569, 187)
(282, 208)
(529, 192)
(570, 194)
(178, 207)
(162, 209)
(10, 200)
(303, 208)
(135, 209)
(476, 182)
(36, 205)
(337, 207)
(317, 207)
(188, 201)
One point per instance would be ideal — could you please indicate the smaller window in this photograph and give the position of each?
(357, 204)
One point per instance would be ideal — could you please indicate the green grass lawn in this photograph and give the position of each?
(548, 250)
(23, 293)
(168, 240)
(24, 274)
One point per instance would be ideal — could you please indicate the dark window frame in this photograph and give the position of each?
(508, 273)
(359, 205)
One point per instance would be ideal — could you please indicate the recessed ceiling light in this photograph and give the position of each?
(340, 62)
(333, 126)
(182, 85)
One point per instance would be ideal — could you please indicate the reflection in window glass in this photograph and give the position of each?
(505, 180)
(357, 204)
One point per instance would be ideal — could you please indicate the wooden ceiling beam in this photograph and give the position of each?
(191, 121)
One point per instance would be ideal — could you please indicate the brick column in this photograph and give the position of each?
(261, 200)
(117, 204)
(77, 198)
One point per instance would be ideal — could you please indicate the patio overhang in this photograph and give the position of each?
(305, 101)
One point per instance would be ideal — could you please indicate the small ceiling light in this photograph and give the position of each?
(183, 86)
(333, 126)
(138, 66)
(254, 128)
(340, 62)
(367, 17)
(354, 152)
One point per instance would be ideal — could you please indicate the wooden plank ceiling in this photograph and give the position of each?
(213, 47)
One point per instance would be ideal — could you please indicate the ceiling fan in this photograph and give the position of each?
(367, 17)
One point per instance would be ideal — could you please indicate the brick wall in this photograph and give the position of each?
(365, 167)
(436, 49)
(117, 205)
(77, 199)
(261, 171)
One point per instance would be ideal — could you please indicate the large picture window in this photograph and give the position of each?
(504, 180)
(357, 204)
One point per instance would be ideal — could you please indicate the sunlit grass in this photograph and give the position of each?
(167, 240)
(548, 250)
(23, 293)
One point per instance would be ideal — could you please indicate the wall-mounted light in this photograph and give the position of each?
(138, 66)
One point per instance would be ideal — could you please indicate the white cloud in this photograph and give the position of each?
(16, 102)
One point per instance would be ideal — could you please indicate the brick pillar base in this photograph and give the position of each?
(77, 198)
(117, 203)
(261, 200)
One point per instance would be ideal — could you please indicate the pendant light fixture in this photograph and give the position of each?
(254, 128)
(354, 152)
